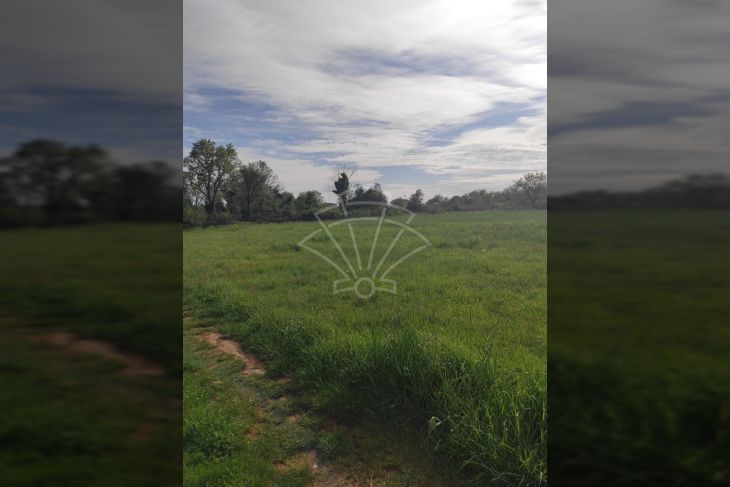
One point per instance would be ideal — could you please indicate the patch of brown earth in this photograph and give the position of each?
(255, 431)
(307, 459)
(293, 418)
(133, 364)
(325, 475)
(230, 347)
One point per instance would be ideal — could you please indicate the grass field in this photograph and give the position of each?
(119, 282)
(639, 343)
(71, 414)
(250, 429)
(457, 356)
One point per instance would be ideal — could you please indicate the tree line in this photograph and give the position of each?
(218, 188)
(694, 191)
(46, 182)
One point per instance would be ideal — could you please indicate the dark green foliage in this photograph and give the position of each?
(250, 192)
(695, 191)
(342, 184)
(207, 170)
(415, 201)
(307, 204)
(46, 182)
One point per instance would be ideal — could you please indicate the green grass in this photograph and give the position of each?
(255, 431)
(639, 382)
(221, 413)
(457, 354)
(72, 418)
(115, 281)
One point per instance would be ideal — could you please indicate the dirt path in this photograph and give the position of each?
(253, 365)
(133, 364)
(281, 420)
(325, 474)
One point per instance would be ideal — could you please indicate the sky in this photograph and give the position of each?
(638, 92)
(447, 96)
(106, 72)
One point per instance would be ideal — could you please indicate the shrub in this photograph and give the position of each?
(193, 216)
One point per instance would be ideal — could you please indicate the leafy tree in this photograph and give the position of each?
(401, 202)
(143, 190)
(358, 194)
(375, 194)
(284, 209)
(372, 194)
(415, 201)
(307, 204)
(256, 184)
(59, 178)
(208, 169)
(436, 204)
(341, 184)
(694, 191)
(533, 187)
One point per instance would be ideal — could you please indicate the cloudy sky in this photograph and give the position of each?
(107, 72)
(448, 95)
(639, 91)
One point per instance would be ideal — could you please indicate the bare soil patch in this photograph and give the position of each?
(230, 347)
(133, 364)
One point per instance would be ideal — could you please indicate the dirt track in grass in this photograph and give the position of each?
(281, 438)
(133, 364)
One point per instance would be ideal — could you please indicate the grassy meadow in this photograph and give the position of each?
(639, 342)
(456, 357)
(112, 281)
(74, 416)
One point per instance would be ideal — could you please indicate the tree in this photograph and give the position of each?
(372, 194)
(358, 194)
(375, 194)
(284, 209)
(59, 178)
(533, 187)
(207, 169)
(341, 184)
(307, 204)
(143, 191)
(710, 190)
(401, 202)
(415, 201)
(256, 182)
(436, 204)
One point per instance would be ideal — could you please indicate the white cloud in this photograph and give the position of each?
(374, 82)
(642, 87)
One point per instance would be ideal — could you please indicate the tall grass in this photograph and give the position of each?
(458, 353)
(71, 418)
(639, 376)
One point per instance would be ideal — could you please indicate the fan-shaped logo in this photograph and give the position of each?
(366, 246)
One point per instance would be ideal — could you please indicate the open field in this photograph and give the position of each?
(118, 282)
(89, 329)
(455, 358)
(639, 344)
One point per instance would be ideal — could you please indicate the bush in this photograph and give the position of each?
(221, 218)
(193, 216)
